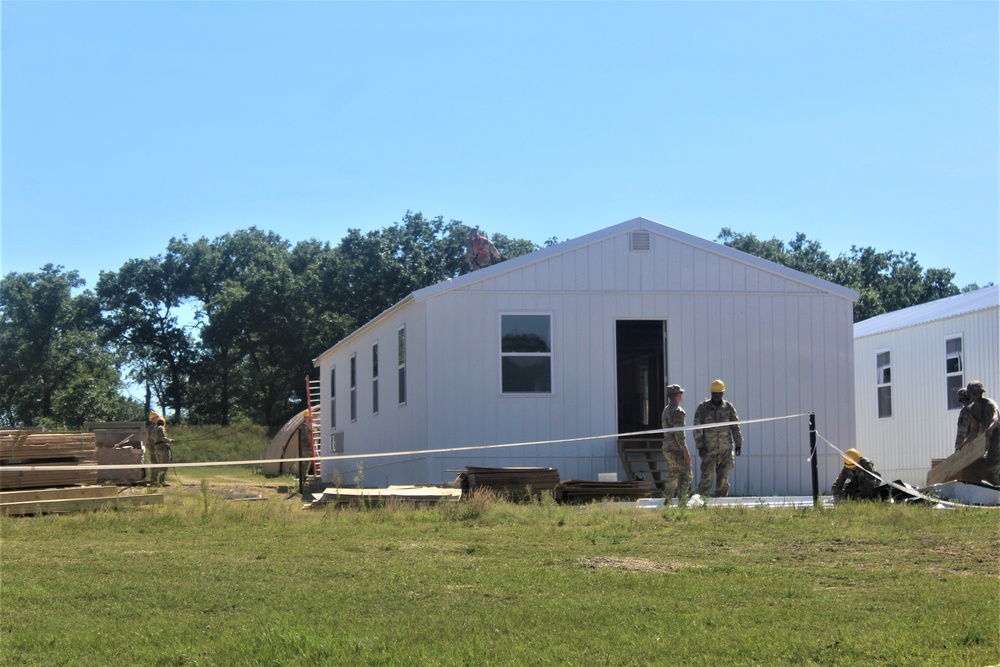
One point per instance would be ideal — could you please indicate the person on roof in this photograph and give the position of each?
(481, 252)
(858, 480)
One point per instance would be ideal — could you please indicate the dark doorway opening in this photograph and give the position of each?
(641, 347)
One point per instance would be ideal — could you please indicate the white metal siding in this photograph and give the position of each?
(781, 346)
(921, 427)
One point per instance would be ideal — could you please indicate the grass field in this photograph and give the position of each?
(211, 578)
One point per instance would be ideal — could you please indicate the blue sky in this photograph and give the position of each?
(856, 123)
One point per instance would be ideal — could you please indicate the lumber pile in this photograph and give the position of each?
(516, 483)
(71, 499)
(585, 491)
(43, 451)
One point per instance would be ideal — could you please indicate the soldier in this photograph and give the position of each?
(715, 445)
(481, 251)
(858, 479)
(159, 450)
(675, 448)
(984, 411)
(968, 427)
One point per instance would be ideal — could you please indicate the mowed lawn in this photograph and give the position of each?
(207, 579)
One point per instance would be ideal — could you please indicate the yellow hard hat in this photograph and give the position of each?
(153, 417)
(717, 386)
(851, 458)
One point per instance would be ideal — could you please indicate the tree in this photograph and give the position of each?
(885, 281)
(54, 368)
(142, 302)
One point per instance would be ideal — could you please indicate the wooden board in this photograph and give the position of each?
(951, 468)
(24, 447)
(61, 493)
(67, 505)
(40, 478)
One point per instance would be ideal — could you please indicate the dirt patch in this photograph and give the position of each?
(635, 564)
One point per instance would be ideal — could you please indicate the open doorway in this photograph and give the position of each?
(642, 379)
(642, 373)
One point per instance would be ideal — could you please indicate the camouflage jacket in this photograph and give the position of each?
(673, 417)
(967, 426)
(717, 438)
(855, 482)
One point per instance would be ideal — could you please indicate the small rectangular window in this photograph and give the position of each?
(402, 364)
(375, 378)
(884, 384)
(954, 368)
(526, 354)
(354, 388)
(333, 398)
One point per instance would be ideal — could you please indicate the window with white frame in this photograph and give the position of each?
(374, 378)
(354, 388)
(525, 354)
(333, 398)
(954, 370)
(401, 339)
(884, 384)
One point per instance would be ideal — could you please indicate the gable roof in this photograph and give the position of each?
(628, 226)
(573, 244)
(952, 306)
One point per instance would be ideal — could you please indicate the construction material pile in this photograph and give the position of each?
(515, 483)
(43, 451)
(585, 491)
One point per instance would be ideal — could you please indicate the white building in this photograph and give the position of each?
(579, 340)
(909, 364)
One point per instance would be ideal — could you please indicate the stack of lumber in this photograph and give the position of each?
(515, 483)
(584, 491)
(71, 499)
(44, 450)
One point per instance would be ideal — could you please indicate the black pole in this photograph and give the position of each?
(812, 458)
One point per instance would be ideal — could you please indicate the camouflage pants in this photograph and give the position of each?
(716, 462)
(679, 474)
(993, 458)
(159, 453)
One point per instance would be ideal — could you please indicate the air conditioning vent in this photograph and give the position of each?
(640, 241)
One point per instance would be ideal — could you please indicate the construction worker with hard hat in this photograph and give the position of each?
(159, 451)
(675, 449)
(716, 446)
(858, 480)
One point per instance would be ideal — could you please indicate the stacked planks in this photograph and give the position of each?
(43, 451)
(72, 499)
(515, 483)
(585, 491)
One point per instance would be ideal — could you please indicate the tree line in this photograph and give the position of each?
(224, 330)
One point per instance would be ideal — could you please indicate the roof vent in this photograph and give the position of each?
(640, 241)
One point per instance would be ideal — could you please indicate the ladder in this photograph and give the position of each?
(642, 459)
(313, 393)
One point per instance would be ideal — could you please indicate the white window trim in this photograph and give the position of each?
(879, 383)
(961, 365)
(551, 354)
(353, 381)
(401, 366)
(375, 378)
(333, 397)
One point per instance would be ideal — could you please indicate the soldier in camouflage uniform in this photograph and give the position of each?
(715, 445)
(984, 410)
(857, 480)
(675, 449)
(968, 427)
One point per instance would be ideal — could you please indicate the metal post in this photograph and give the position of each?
(812, 458)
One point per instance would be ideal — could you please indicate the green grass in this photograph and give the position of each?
(206, 581)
